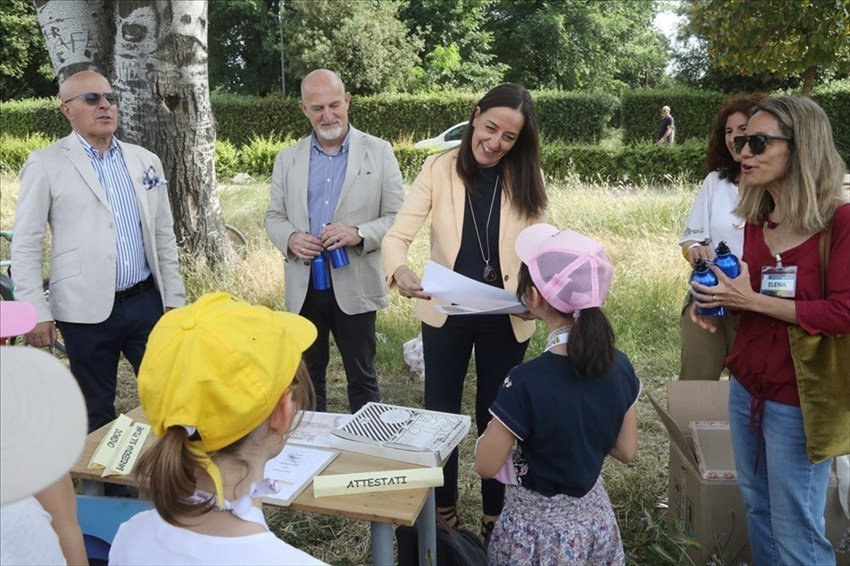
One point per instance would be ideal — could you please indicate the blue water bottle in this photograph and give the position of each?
(704, 276)
(726, 261)
(321, 277)
(339, 257)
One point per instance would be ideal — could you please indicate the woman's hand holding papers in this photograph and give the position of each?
(524, 315)
(409, 284)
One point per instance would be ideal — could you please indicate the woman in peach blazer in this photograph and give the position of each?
(498, 160)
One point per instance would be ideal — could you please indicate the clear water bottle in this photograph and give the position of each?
(726, 261)
(321, 277)
(704, 276)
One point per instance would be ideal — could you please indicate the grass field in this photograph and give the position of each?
(639, 228)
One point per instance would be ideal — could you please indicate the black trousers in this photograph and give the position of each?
(447, 351)
(94, 350)
(354, 335)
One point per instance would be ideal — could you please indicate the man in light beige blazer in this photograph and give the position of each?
(113, 255)
(338, 188)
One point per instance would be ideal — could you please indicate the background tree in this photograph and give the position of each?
(457, 49)
(363, 41)
(25, 69)
(580, 45)
(155, 54)
(245, 56)
(775, 38)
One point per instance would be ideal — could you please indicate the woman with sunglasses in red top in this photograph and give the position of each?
(790, 193)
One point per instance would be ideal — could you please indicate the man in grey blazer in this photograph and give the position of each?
(113, 255)
(338, 188)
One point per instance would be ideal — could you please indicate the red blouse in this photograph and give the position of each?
(761, 355)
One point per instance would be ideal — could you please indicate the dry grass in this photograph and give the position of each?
(639, 228)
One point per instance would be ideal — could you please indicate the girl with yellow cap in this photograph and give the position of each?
(221, 384)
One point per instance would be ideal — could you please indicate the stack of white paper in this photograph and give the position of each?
(402, 433)
(314, 428)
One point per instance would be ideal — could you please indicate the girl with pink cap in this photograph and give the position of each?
(565, 411)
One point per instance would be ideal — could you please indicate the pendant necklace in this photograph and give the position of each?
(489, 271)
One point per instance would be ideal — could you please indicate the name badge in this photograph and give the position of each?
(779, 281)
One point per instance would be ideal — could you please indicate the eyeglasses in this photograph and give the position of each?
(757, 142)
(93, 98)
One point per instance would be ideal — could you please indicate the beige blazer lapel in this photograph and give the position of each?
(301, 180)
(356, 161)
(136, 169)
(508, 218)
(80, 160)
(458, 200)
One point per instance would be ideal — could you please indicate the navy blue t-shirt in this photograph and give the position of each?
(565, 424)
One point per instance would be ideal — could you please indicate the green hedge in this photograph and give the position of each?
(643, 163)
(20, 118)
(634, 164)
(564, 116)
(835, 101)
(568, 116)
(239, 119)
(693, 110)
(14, 151)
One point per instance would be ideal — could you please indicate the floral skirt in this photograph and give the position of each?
(535, 529)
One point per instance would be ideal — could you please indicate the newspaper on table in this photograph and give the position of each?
(399, 433)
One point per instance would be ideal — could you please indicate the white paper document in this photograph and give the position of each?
(466, 295)
(294, 469)
(402, 433)
(314, 428)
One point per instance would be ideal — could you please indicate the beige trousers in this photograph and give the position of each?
(703, 353)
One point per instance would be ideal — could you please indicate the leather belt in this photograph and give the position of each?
(136, 289)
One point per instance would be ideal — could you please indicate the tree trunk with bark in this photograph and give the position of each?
(79, 35)
(809, 76)
(154, 52)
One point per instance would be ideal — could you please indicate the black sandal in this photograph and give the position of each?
(486, 531)
(449, 516)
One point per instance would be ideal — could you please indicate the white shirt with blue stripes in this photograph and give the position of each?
(131, 265)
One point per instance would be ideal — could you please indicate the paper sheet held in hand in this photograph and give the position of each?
(466, 295)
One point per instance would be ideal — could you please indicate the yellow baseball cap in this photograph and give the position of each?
(220, 365)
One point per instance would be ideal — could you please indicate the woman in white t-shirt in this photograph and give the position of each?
(220, 383)
(710, 222)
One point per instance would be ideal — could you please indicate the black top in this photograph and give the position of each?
(566, 424)
(470, 262)
(665, 123)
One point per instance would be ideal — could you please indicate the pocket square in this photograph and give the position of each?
(151, 180)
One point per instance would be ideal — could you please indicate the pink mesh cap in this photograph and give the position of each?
(16, 318)
(570, 270)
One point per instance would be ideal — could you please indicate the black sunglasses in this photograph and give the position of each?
(757, 142)
(92, 98)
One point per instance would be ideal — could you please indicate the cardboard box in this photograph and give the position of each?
(711, 508)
